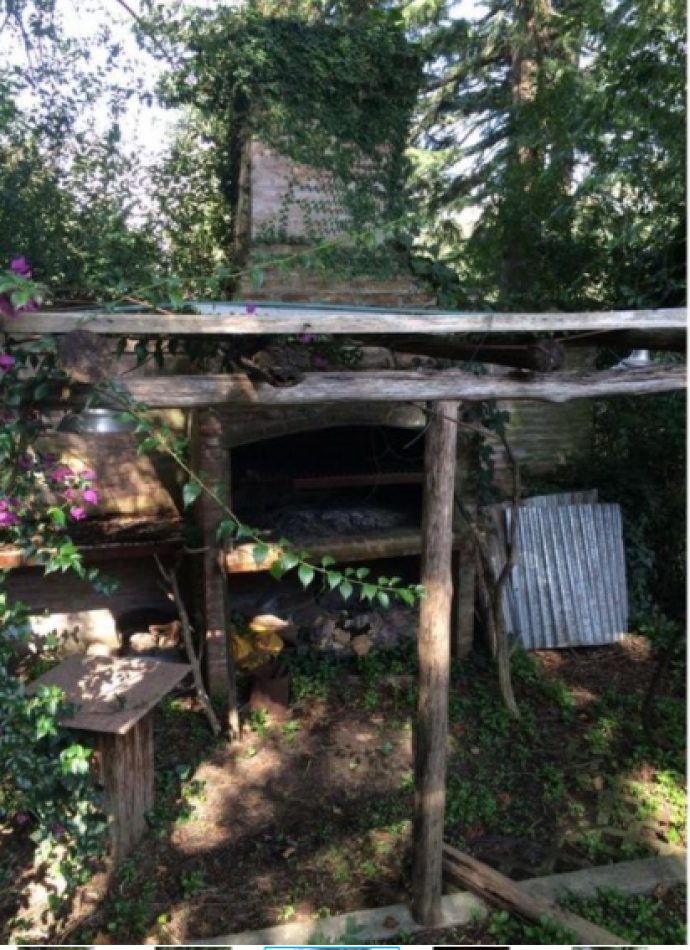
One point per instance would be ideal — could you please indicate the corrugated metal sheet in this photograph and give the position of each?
(589, 496)
(568, 587)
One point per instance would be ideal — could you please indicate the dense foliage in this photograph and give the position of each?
(571, 147)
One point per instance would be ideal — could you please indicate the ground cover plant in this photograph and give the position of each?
(311, 817)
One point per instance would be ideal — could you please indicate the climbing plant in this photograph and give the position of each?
(331, 94)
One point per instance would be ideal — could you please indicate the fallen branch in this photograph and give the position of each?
(170, 577)
(500, 891)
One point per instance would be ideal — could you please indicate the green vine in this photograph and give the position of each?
(335, 95)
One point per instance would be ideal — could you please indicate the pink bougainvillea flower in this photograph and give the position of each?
(77, 513)
(87, 474)
(250, 308)
(25, 462)
(70, 494)
(21, 266)
(91, 496)
(21, 817)
(8, 519)
(61, 473)
(7, 362)
(306, 338)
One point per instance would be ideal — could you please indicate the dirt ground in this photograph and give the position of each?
(310, 817)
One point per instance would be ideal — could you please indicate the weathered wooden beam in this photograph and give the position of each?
(240, 319)
(398, 386)
(500, 891)
(431, 734)
(670, 341)
(405, 542)
(544, 356)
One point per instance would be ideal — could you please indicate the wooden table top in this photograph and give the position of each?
(112, 693)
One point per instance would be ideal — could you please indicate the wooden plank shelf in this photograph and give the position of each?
(12, 558)
(400, 542)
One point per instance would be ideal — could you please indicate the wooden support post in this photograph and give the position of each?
(126, 767)
(434, 663)
(210, 456)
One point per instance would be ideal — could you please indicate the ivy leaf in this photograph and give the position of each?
(190, 493)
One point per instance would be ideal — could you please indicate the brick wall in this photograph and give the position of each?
(291, 203)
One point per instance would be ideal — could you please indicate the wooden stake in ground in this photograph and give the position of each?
(500, 891)
(434, 662)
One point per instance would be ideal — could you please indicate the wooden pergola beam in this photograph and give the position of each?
(241, 319)
(397, 386)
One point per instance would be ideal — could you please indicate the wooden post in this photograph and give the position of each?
(126, 766)
(434, 663)
(210, 457)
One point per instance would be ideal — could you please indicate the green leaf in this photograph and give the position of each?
(190, 493)
(327, 560)
(333, 578)
(384, 599)
(346, 590)
(289, 560)
(58, 516)
(305, 574)
(225, 529)
(260, 552)
(276, 570)
(368, 591)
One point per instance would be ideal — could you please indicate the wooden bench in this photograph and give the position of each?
(115, 698)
